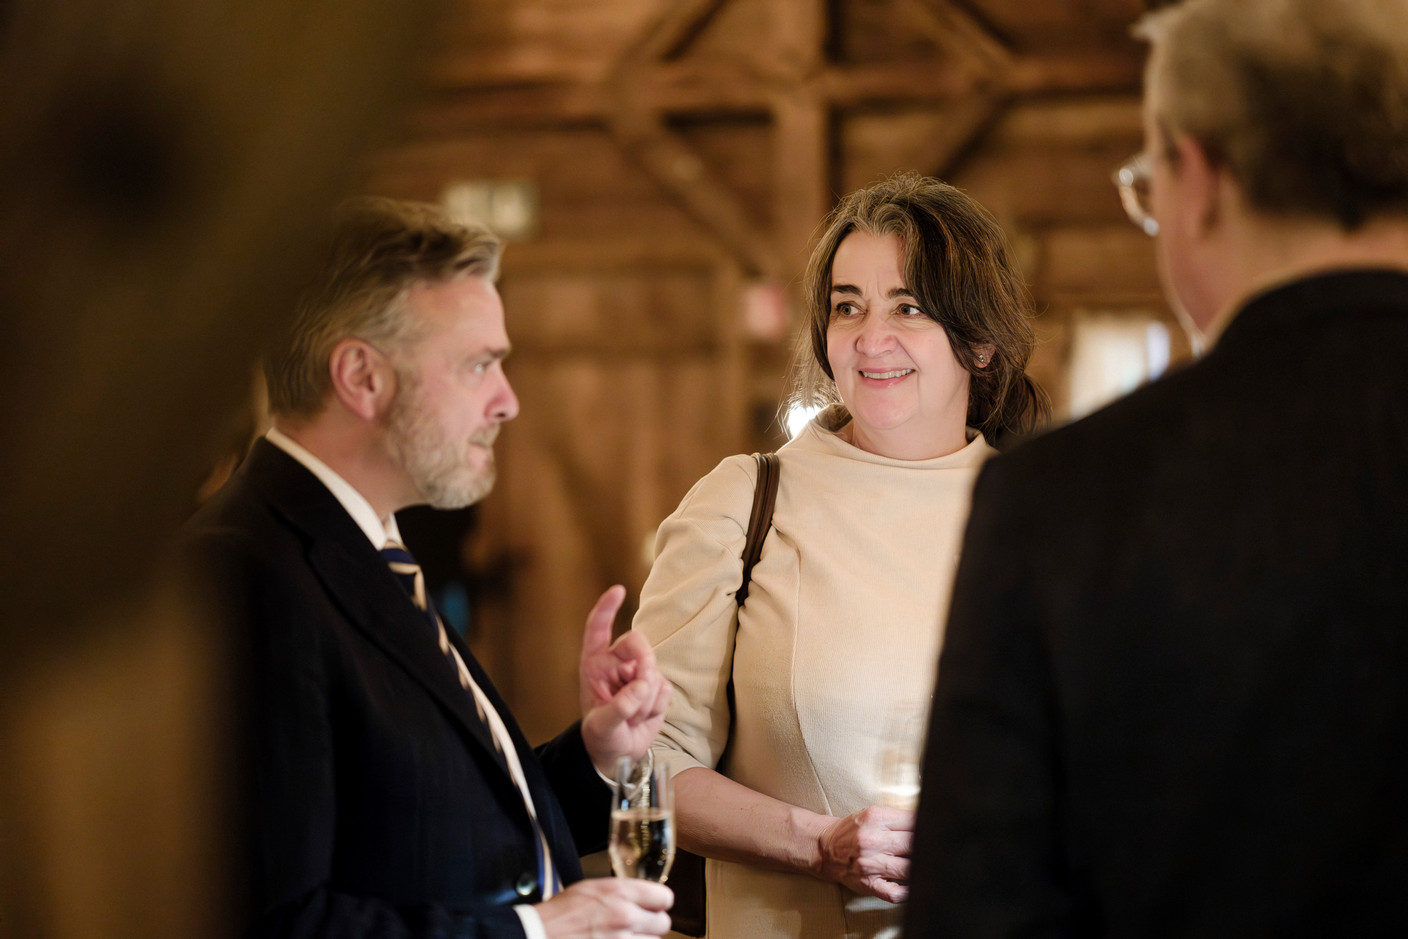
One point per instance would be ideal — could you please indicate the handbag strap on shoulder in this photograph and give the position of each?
(760, 519)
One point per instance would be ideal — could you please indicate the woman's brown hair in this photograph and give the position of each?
(959, 267)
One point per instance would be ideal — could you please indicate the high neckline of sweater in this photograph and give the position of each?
(817, 438)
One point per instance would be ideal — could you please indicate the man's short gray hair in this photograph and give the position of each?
(1305, 101)
(380, 248)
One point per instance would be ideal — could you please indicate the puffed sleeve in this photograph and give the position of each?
(687, 610)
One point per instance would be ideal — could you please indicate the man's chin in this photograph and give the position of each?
(463, 495)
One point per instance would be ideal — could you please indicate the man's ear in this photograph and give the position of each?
(1200, 180)
(363, 380)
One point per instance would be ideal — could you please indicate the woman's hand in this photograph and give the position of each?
(869, 852)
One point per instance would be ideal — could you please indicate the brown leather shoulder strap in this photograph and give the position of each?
(760, 520)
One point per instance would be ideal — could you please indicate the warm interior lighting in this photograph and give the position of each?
(797, 417)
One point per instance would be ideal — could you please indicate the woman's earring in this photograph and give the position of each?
(982, 358)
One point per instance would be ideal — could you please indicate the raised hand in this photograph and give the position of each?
(623, 695)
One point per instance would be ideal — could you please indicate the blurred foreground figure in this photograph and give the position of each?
(164, 169)
(388, 790)
(1172, 699)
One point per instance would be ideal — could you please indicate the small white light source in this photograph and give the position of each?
(508, 207)
(797, 417)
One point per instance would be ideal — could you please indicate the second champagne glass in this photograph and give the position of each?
(901, 746)
(642, 820)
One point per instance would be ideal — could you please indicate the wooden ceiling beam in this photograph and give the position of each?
(801, 130)
(955, 30)
(925, 82)
(681, 88)
(690, 87)
(547, 105)
(673, 29)
(963, 125)
(659, 250)
(614, 348)
(800, 29)
(681, 173)
(801, 134)
(1076, 73)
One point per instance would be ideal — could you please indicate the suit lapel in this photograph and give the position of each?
(378, 607)
(361, 584)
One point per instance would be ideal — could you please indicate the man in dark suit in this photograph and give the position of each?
(387, 790)
(1173, 696)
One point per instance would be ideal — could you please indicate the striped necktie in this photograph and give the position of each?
(403, 565)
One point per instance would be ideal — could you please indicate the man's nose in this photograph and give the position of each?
(504, 406)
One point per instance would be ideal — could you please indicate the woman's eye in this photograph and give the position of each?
(844, 309)
(909, 309)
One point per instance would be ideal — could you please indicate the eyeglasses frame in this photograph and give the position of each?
(1132, 179)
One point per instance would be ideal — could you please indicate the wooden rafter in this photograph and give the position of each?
(801, 172)
(639, 129)
(673, 29)
(963, 123)
(957, 32)
(801, 129)
(682, 88)
(799, 34)
(681, 172)
(796, 86)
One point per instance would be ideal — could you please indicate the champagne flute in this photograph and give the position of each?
(901, 742)
(642, 820)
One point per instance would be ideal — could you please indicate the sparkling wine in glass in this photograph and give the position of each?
(642, 820)
(902, 742)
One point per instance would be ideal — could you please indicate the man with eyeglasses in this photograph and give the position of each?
(1173, 696)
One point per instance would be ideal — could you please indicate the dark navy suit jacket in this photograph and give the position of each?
(372, 802)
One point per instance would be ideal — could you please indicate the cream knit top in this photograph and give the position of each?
(843, 622)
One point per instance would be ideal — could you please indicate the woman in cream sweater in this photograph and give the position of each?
(919, 331)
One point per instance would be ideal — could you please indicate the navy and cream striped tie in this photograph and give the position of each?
(403, 565)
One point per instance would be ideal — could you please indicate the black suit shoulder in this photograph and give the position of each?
(1175, 653)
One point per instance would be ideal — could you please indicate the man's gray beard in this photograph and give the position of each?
(440, 471)
(443, 491)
